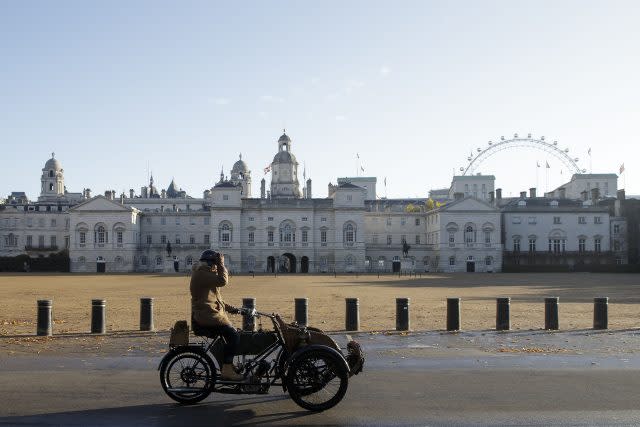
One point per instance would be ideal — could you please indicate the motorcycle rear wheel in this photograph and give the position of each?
(317, 380)
(188, 376)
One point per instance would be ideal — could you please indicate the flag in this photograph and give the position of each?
(267, 169)
(547, 165)
(361, 168)
(589, 151)
(385, 181)
(358, 155)
(622, 168)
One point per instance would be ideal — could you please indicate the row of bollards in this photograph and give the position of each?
(352, 314)
(98, 316)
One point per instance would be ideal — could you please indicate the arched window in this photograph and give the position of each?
(101, 236)
(50, 174)
(349, 234)
(469, 235)
(50, 187)
(287, 232)
(225, 233)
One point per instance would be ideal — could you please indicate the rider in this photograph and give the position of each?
(210, 311)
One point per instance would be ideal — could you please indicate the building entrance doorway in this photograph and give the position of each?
(304, 264)
(271, 265)
(287, 263)
(471, 264)
(101, 265)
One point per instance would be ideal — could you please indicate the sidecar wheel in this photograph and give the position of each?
(188, 376)
(317, 380)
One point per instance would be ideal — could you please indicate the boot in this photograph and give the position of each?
(228, 373)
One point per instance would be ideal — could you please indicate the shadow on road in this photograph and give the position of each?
(219, 413)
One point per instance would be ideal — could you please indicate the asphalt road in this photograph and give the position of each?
(423, 379)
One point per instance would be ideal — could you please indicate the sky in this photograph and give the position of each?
(405, 90)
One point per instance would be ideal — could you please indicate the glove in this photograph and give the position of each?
(233, 310)
(248, 311)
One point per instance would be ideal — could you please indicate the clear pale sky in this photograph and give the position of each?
(181, 88)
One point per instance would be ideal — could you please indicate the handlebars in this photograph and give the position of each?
(247, 311)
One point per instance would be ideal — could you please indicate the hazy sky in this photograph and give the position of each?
(117, 88)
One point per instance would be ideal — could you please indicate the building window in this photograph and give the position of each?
(516, 220)
(597, 220)
(192, 239)
(29, 241)
(349, 234)
(40, 240)
(556, 220)
(101, 235)
(225, 197)
(487, 239)
(349, 197)
(270, 218)
(304, 218)
(403, 221)
(83, 238)
(270, 236)
(177, 220)
(417, 222)
(452, 260)
(67, 241)
(287, 234)
(531, 220)
(177, 239)
(192, 220)
(554, 246)
(189, 260)
(469, 235)
(616, 245)
(323, 219)
(207, 220)
(163, 221)
(417, 239)
(207, 239)
(251, 237)
(403, 239)
(119, 237)
(488, 261)
(452, 239)
(149, 239)
(616, 228)
(516, 244)
(389, 240)
(582, 220)
(532, 245)
(225, 232)
(158, 260)
(305, 236)
(581, 245)
(323, 237)
(596, 245)
(251, 218)
(163, 239)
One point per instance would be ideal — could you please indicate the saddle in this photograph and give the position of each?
(202, 331)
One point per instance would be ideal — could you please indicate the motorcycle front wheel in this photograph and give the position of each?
(188, 376)
(317, 380)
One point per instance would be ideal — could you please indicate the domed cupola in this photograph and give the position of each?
(241, 175)
(52, 180)
(284, 171)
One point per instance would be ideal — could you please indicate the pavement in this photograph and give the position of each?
(532, 377)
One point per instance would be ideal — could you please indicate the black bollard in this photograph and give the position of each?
(352, 317)
(45, 322)
(402, 314)
(503, 320)
(146, 314)
(248, 322)
(551, 321)
(98, 316)
(301, 305)
(453, 314)
(601, 313)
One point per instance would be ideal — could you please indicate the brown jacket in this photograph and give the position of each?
(207, 306)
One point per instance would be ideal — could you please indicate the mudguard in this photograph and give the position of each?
(309, 348)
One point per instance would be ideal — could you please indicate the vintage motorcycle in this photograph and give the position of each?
(305, 361)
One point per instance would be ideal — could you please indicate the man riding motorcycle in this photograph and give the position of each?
(210, 311)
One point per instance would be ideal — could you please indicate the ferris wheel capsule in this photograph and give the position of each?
(529, 135)
(515, 135)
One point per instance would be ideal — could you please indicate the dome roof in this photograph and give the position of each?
(284, 138)
(240, 166)
(172, 190)
(53, 163)
(284, 157)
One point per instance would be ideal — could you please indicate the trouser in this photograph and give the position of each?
(232, 338)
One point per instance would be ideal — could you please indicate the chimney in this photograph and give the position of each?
(498, 193)
(491, 197)
(122, 198)
(523, 194)
(621, 195)
(309, 188)
(107, 194)
(458, 196)
(562, 192)
(595, 194)
(262, 188)
(131, 193)
(532, 192)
